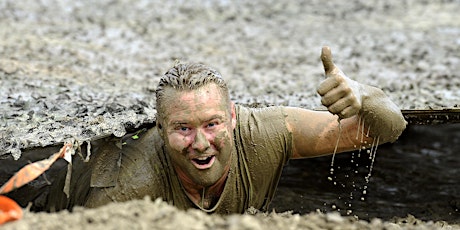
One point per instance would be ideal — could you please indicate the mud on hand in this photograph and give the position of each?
(339, 94)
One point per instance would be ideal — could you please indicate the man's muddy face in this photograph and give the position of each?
(198, 133)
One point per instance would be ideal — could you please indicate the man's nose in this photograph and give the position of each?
(200, 143)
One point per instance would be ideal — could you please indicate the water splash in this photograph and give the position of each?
(331, 171)
(373, 152)
(357, 188)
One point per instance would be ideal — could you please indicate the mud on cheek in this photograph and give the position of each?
(222, 138)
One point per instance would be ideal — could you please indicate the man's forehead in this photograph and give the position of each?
(188, 101)
(208, 89)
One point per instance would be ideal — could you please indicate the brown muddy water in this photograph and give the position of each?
(419, 174)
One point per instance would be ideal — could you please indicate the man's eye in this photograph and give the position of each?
(212, 124)
(182, 128)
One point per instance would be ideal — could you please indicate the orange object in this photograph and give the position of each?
(9, 210)
(31, 171)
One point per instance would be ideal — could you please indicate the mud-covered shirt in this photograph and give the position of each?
(263, 146)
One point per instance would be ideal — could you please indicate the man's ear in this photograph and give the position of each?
(159, 125)
(161, 131)
(233, 115)
(158, 121)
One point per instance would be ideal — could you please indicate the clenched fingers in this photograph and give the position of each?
(345, 107)
(329, 84)
(333, 95)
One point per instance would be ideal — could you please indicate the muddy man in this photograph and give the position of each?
(206, 152)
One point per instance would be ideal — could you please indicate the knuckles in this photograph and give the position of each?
(338, 95)
(344, 106)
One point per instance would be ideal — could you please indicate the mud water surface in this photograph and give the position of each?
(84, 69)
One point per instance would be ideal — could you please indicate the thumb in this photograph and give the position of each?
(326, 58)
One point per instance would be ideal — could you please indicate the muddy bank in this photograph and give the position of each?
(80, 70)
(145, 214)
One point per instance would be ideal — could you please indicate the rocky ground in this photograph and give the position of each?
(84, 69)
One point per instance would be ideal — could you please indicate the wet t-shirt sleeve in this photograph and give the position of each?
(263, 132)
(265, 144)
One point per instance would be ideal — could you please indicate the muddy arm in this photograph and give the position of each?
(315, 133)
(359, 116)
(347, 98)
(381, 116)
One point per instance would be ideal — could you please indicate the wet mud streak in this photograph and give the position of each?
(349, 208)
(372, 153)
(360, 130)
(356, 188)
(331, 177)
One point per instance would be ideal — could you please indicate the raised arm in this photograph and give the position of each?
(363, 113)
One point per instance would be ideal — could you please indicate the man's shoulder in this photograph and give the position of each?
(146, 139)
(138, 142)
(261, 126)
(245, 110)
(263, 130)
(134, 151)
(260, 116)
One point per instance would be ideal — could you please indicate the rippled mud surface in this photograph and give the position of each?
(83, 69)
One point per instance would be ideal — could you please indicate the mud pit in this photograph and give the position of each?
(83, 70)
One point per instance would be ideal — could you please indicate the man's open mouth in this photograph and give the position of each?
(204, 162)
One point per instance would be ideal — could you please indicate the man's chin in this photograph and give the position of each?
(206, 182)
(207, 178)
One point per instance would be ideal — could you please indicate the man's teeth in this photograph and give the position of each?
(203, 160)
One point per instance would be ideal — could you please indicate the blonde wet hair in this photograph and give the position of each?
(187, 77)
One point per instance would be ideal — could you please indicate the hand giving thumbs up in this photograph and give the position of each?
(339, 94)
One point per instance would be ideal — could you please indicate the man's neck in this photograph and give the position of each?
(204, 197)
